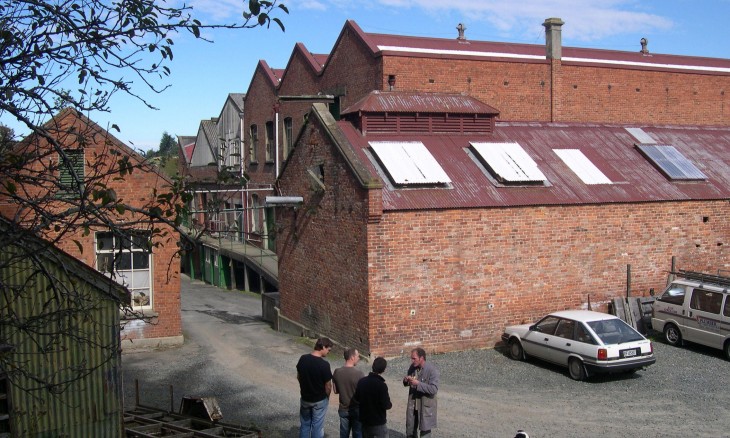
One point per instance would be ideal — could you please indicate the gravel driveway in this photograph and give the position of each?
(231, 354)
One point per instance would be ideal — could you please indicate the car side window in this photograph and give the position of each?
(706, 301)
(674, 294)
(547, 325)
(582, 335)
(565, 329)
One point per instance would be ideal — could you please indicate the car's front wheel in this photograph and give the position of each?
(727, 349)
(672, 335)
(515, 350)
(576, 369)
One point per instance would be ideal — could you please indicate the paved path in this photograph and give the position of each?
(230, 353)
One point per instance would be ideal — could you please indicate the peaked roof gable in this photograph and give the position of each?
(312, 63)
(69, 118)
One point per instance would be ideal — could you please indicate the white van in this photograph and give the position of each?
(695, 307)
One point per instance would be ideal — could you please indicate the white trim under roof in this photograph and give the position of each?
(509, 162)
(582, 166)
(459, 52)
(409, 162)
(648, 64)
(542, 57)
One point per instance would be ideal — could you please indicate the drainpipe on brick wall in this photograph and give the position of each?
(554, 51)
(276, 139)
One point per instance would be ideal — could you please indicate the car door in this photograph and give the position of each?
(562, 342)
(704, 323)
(537, 341)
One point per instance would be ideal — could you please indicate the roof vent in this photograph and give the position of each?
(644, 42)
(461, 28)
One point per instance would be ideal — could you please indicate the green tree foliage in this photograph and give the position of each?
(7, 138)
(75, 55)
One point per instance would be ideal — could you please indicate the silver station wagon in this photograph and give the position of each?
(584, 341)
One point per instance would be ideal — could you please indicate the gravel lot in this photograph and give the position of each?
(232, 355)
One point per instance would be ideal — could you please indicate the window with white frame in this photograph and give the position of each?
(288, 140)
(127, 260)
(270, 141)
(257, 205)
(253, 138)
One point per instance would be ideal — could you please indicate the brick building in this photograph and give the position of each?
(378, 261)
(94, 161)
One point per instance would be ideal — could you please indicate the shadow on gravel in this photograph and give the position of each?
(231, 318)
(597, 378)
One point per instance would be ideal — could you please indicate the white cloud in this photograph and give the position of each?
(585, 20)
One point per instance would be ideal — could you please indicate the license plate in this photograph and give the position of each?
(629, 353)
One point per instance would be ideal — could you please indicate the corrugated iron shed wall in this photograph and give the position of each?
(74, 352)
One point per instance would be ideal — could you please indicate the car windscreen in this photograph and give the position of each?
(614, 331)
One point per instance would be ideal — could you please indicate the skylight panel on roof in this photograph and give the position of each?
(509, 162)
(409, 162)
(582, 166)
(641, 136)
(671, 162)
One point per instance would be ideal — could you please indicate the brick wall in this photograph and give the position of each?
(322, 247)
(449, 266)
(355, 278)
(135, 189)
(522, 90)
(352, 70)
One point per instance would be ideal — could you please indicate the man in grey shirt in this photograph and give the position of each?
(345, 380)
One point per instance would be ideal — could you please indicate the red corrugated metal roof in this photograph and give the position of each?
(188, 149)
(397, 101)
(453, 48)
(609, 147)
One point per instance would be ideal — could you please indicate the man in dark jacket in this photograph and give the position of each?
(372, 396)
(422, 380)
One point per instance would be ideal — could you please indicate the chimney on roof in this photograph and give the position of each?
(644, 42)
(553, 38)
(461, 28)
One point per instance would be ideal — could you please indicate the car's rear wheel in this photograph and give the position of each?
(726, 349)
(515, 350)
(672, 335)
(576, 369)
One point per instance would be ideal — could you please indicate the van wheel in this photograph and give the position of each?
(672, 335)
(727, 349)
(515, 350)
(576, 369)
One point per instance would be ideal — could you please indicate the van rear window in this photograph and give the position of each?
(674, 295)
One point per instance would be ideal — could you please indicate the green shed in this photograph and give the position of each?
(59, 342)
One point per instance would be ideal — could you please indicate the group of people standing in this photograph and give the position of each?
(364, 400)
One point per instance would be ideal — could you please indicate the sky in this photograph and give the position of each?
(203, 74)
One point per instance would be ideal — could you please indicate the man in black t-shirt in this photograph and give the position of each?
(315, 385)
